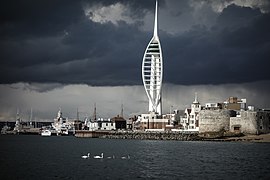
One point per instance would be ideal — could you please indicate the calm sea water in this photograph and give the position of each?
(36, 157)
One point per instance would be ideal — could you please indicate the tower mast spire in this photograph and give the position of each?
(156, 21)
(152, 70)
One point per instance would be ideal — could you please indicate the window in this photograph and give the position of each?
(236, 128)
(106, 124)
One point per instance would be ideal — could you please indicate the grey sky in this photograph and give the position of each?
(45, 99)
(48, 46)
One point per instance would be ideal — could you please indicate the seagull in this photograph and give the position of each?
(86, 156)
(99, 157)
(124, 157)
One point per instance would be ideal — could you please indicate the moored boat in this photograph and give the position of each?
(46, 132)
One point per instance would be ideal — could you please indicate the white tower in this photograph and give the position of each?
(152, 70)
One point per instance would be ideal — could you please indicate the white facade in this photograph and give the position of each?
(191, 119)
(107, 125)
(211, 105)
(101, 125)
(152, 121)
(152, 70)
(93, 126)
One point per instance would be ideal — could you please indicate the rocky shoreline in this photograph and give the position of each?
(180, 136)
(142, 135)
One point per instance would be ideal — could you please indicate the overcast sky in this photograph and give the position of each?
(69, 54)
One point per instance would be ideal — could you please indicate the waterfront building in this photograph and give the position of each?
(106, 125)
(152, 122)
(213, 106)
(251, 122)
(152, 70)
(234, 116)
(233, 103)
(101, 124)
(120, 122)
(190, 121)
(130, 122)
(115, 123)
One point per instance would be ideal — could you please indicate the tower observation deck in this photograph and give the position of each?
(152, 70)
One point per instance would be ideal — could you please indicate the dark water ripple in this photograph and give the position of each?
(35, 157)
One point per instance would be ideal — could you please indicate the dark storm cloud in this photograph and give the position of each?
(30, 18)
(53, 41)
(83, 58)
(80, 51)
(235, 50)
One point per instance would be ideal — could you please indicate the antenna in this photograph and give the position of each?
(31, 114)
(95, 112)
(122, 110)
(156, 21)
(77, 113)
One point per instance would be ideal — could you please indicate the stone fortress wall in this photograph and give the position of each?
(247, 122)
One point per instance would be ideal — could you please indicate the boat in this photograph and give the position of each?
(5, 129)
(46, 132)
(62, 126)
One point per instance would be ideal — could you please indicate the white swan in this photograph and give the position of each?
(110, 157)
(125, 157)
(99, 157)
(86, 156)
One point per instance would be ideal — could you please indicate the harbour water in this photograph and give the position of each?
(36, 157)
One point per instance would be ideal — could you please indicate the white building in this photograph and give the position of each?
(152, 70)
(101, 124)
(152, 122)
(190, 121)
(211, 105)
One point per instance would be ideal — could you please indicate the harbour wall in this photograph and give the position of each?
(90, 134)
(143, 135)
